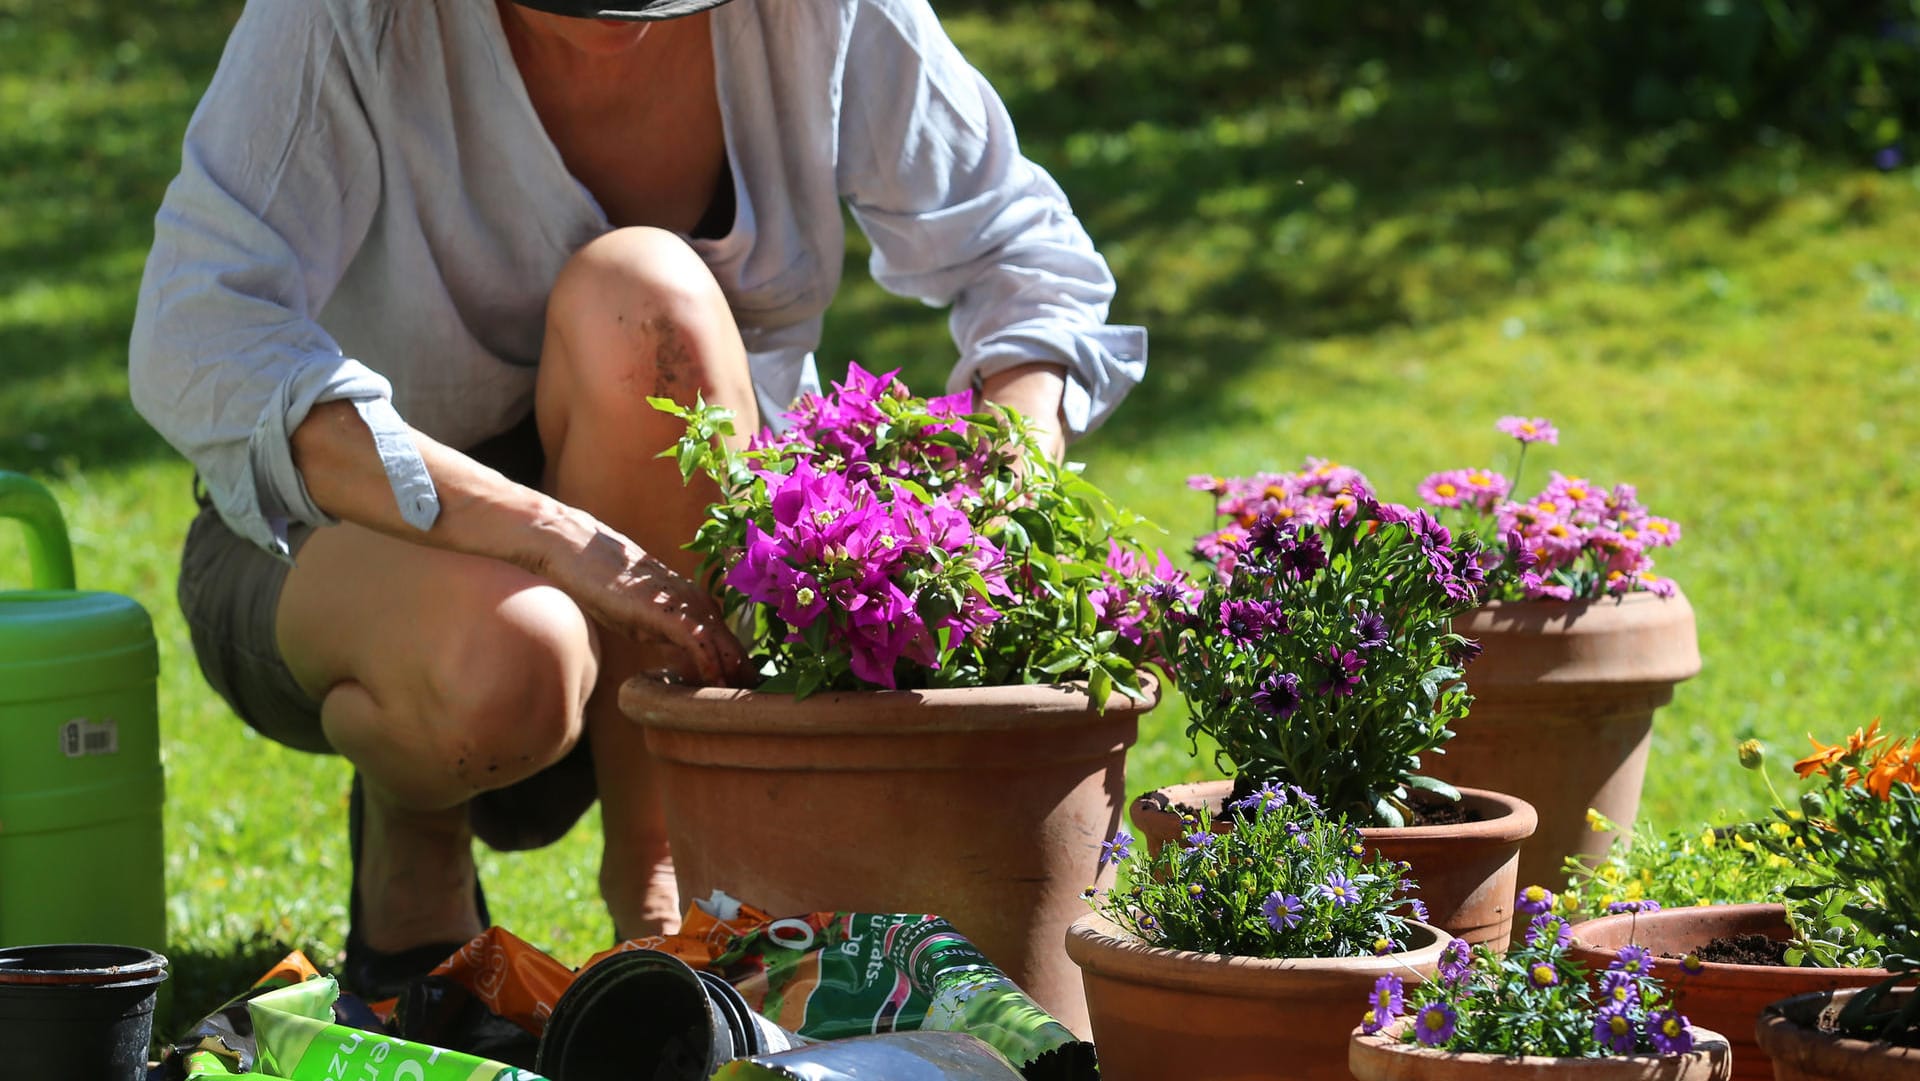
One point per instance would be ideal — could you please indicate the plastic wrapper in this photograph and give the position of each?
(899, 1056)
(296, 1038)
(825, 976)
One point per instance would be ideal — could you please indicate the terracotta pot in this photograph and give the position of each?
(986, 806)
(1467, 872)
(1790, 1032)
(1382, 1057)
(1564, 697)
(1162, 1014)
(1725, 998)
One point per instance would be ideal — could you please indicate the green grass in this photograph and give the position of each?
(1355, 262)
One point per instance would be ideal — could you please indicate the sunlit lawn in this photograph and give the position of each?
(1369, 278)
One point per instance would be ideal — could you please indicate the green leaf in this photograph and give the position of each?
(1436, 786)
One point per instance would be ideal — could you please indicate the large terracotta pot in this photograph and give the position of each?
(1382, 1057)
(1467, 873)
(986, 806)
(1725, 998)
(1160, 1014)
(1563, 702)
(1790, 1032)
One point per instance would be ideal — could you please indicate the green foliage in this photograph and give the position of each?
(1676, 868)
(1285, 881)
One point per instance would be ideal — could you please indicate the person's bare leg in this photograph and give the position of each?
(440, 675)
(634, 314)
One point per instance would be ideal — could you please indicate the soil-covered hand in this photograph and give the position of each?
(627, 591)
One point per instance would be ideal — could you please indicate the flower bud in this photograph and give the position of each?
(1752, 753)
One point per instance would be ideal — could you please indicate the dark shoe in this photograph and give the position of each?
(539, 810)
(368, 972)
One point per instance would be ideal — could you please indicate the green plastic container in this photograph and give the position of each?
(80, 779)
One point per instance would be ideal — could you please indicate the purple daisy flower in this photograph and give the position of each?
(1302, 557)
(1535, 900)
(1388, 999)
(1282, 912)
(1613, 1029)
(1418, 908)
(1370, 630)
(1632, 960)
(1196, 891)
(1619, 989)
(1249, 622)
(1343, 672)
(1618, 907)
(1279, 695)
(1117, 850)
(1456, 960)
(1548, 929)
(1669, 1033)
(1530, 430)
(1433, 1025)
(1198, 839)
(1542, 975)
(1339, 889)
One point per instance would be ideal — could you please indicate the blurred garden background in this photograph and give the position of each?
(1688, 231)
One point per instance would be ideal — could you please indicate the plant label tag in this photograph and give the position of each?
(80, 737)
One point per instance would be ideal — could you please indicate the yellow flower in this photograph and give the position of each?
(1743, 844)
(1707, 837)
(1597, 822)
(1779, 829)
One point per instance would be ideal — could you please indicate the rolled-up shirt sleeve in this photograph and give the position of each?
(279, 181)
(933, 173)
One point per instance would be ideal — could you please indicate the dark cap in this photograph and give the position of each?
(634, 10)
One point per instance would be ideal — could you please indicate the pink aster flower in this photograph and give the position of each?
(1447, 490)
(1534, 430)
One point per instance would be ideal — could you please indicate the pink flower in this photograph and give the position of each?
(1447, 490)
(1534, 430)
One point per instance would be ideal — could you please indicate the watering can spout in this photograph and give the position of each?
(49, 556)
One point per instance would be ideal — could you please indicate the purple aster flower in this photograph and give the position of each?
(1301, 556)
(1618, 907)
(1456, 960)
(1632, 960)
(1619, 989)
(1119, 849)
(1198, 839)
(1148, 923)
(1282, 912)
(1370, 630)
(1613, 1029)
(1887, 158)
(1433, 1025)
(1669, 1033)
(1382, 945)
(1388, 998)
(1279, 695)
(1339, 889)
(1270, 796)
(1250, 622)
(1535, 900)
(1343, 672)
(1417, 908)
(1542, 975)
(1534, 430)
(1196, 891)
(1549, 930)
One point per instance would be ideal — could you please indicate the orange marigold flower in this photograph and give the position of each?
(1824, 756)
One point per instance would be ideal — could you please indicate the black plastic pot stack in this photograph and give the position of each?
(78, 1012)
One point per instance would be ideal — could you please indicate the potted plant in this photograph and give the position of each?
(1858, 827)
(1534, 1013)
(947, 629)
(1235, 955)
(1320, 655)
(1580, 645)
(1721, 908)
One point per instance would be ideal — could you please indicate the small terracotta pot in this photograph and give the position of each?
(986, 806)
(1789, 1031)
(1725, 998)
(1162, 1014)
(1467, 873)
(1563, 702)
(1382, 1057)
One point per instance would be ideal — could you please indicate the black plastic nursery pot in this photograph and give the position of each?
(78, 1012)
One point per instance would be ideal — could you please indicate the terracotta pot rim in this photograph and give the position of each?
(1641, 599)
(1775, 1023)
(728, 710)
(1706, 1044)
(1516, 823)
(1097, 944)
(1771, 974)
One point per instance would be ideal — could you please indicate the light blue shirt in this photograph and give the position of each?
(369, 209)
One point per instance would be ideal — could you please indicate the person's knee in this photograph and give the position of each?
(505, 693)
(642, 313)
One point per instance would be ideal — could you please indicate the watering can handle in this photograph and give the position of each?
(49, 556)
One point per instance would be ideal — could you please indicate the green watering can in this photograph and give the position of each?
(80, 780)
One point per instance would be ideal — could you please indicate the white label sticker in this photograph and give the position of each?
(80, 737)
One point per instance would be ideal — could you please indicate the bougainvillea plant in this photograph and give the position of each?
(1287, 881)
(885, 540)
(1321, 654)
(1572, 540)
(1534, 999)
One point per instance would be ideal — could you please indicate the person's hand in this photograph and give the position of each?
(1036, 391)
(629, 592)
